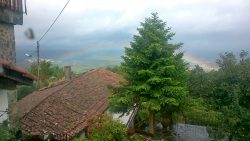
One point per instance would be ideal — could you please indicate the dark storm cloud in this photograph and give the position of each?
(206, 28)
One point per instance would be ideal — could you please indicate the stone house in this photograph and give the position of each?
(11, 13)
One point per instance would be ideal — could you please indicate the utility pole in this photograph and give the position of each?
(38, 64)
(37, 43)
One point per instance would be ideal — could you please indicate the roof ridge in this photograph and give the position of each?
(60, 82)
(54, 84)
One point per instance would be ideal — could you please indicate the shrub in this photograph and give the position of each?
(109, 130)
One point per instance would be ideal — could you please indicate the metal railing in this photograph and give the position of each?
(131, 118)
(14, 5)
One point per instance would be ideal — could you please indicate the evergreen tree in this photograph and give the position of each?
(155, 71)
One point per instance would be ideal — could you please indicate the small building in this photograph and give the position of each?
(11, 13)
(66, 109)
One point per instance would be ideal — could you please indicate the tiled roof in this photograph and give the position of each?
(11, 66)
(66, 109)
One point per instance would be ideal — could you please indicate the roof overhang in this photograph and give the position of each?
(11, 12)
(14, 75)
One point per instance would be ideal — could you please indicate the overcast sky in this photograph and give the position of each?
(206, 27)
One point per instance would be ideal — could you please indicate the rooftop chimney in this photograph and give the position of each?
(67, 72)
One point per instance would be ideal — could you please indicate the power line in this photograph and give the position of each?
(38, 45)
(53, 22)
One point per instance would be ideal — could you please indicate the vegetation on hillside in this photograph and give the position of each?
(49, 73)
(226, 94)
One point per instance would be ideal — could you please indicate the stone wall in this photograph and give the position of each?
(7, 42)
(3, 105)
(12, 108)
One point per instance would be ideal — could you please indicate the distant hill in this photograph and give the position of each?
(79, 60)
(84, 59)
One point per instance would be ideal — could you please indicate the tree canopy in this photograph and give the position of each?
(48, 72)
(155, 71)
(227, 93)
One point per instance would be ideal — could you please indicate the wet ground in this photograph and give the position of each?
(181, 132)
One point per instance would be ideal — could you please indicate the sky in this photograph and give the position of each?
(206, 27)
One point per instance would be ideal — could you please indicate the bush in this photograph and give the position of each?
(7, 134)
(109, 130)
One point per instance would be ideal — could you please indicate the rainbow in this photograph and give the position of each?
(70, 53)
(188, 57)
(193, 60)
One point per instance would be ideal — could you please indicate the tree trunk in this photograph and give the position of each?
(171, 122)
(165, 122)
(230, 138)
(151, 122)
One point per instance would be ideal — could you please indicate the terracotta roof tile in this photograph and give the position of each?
(12, 66)
(66, 109)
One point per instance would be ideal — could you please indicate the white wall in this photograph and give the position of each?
(82, 134)
(3, 104)
(124, 119)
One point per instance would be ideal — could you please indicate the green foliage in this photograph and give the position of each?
(7, 134)
(155, 72)
(197, 81)
(226, 91)
(109, 130)
(243, 132)
(197, 112)
(23, 91)
(141, 119)
(136, 138)
(48, 72)
(116, 69)
(232, 92)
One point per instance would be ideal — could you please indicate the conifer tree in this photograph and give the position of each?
(155, 71)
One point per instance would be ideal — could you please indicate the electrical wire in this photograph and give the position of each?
(54, 21)
(3, 112)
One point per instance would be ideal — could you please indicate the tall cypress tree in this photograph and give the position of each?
(155, 71)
